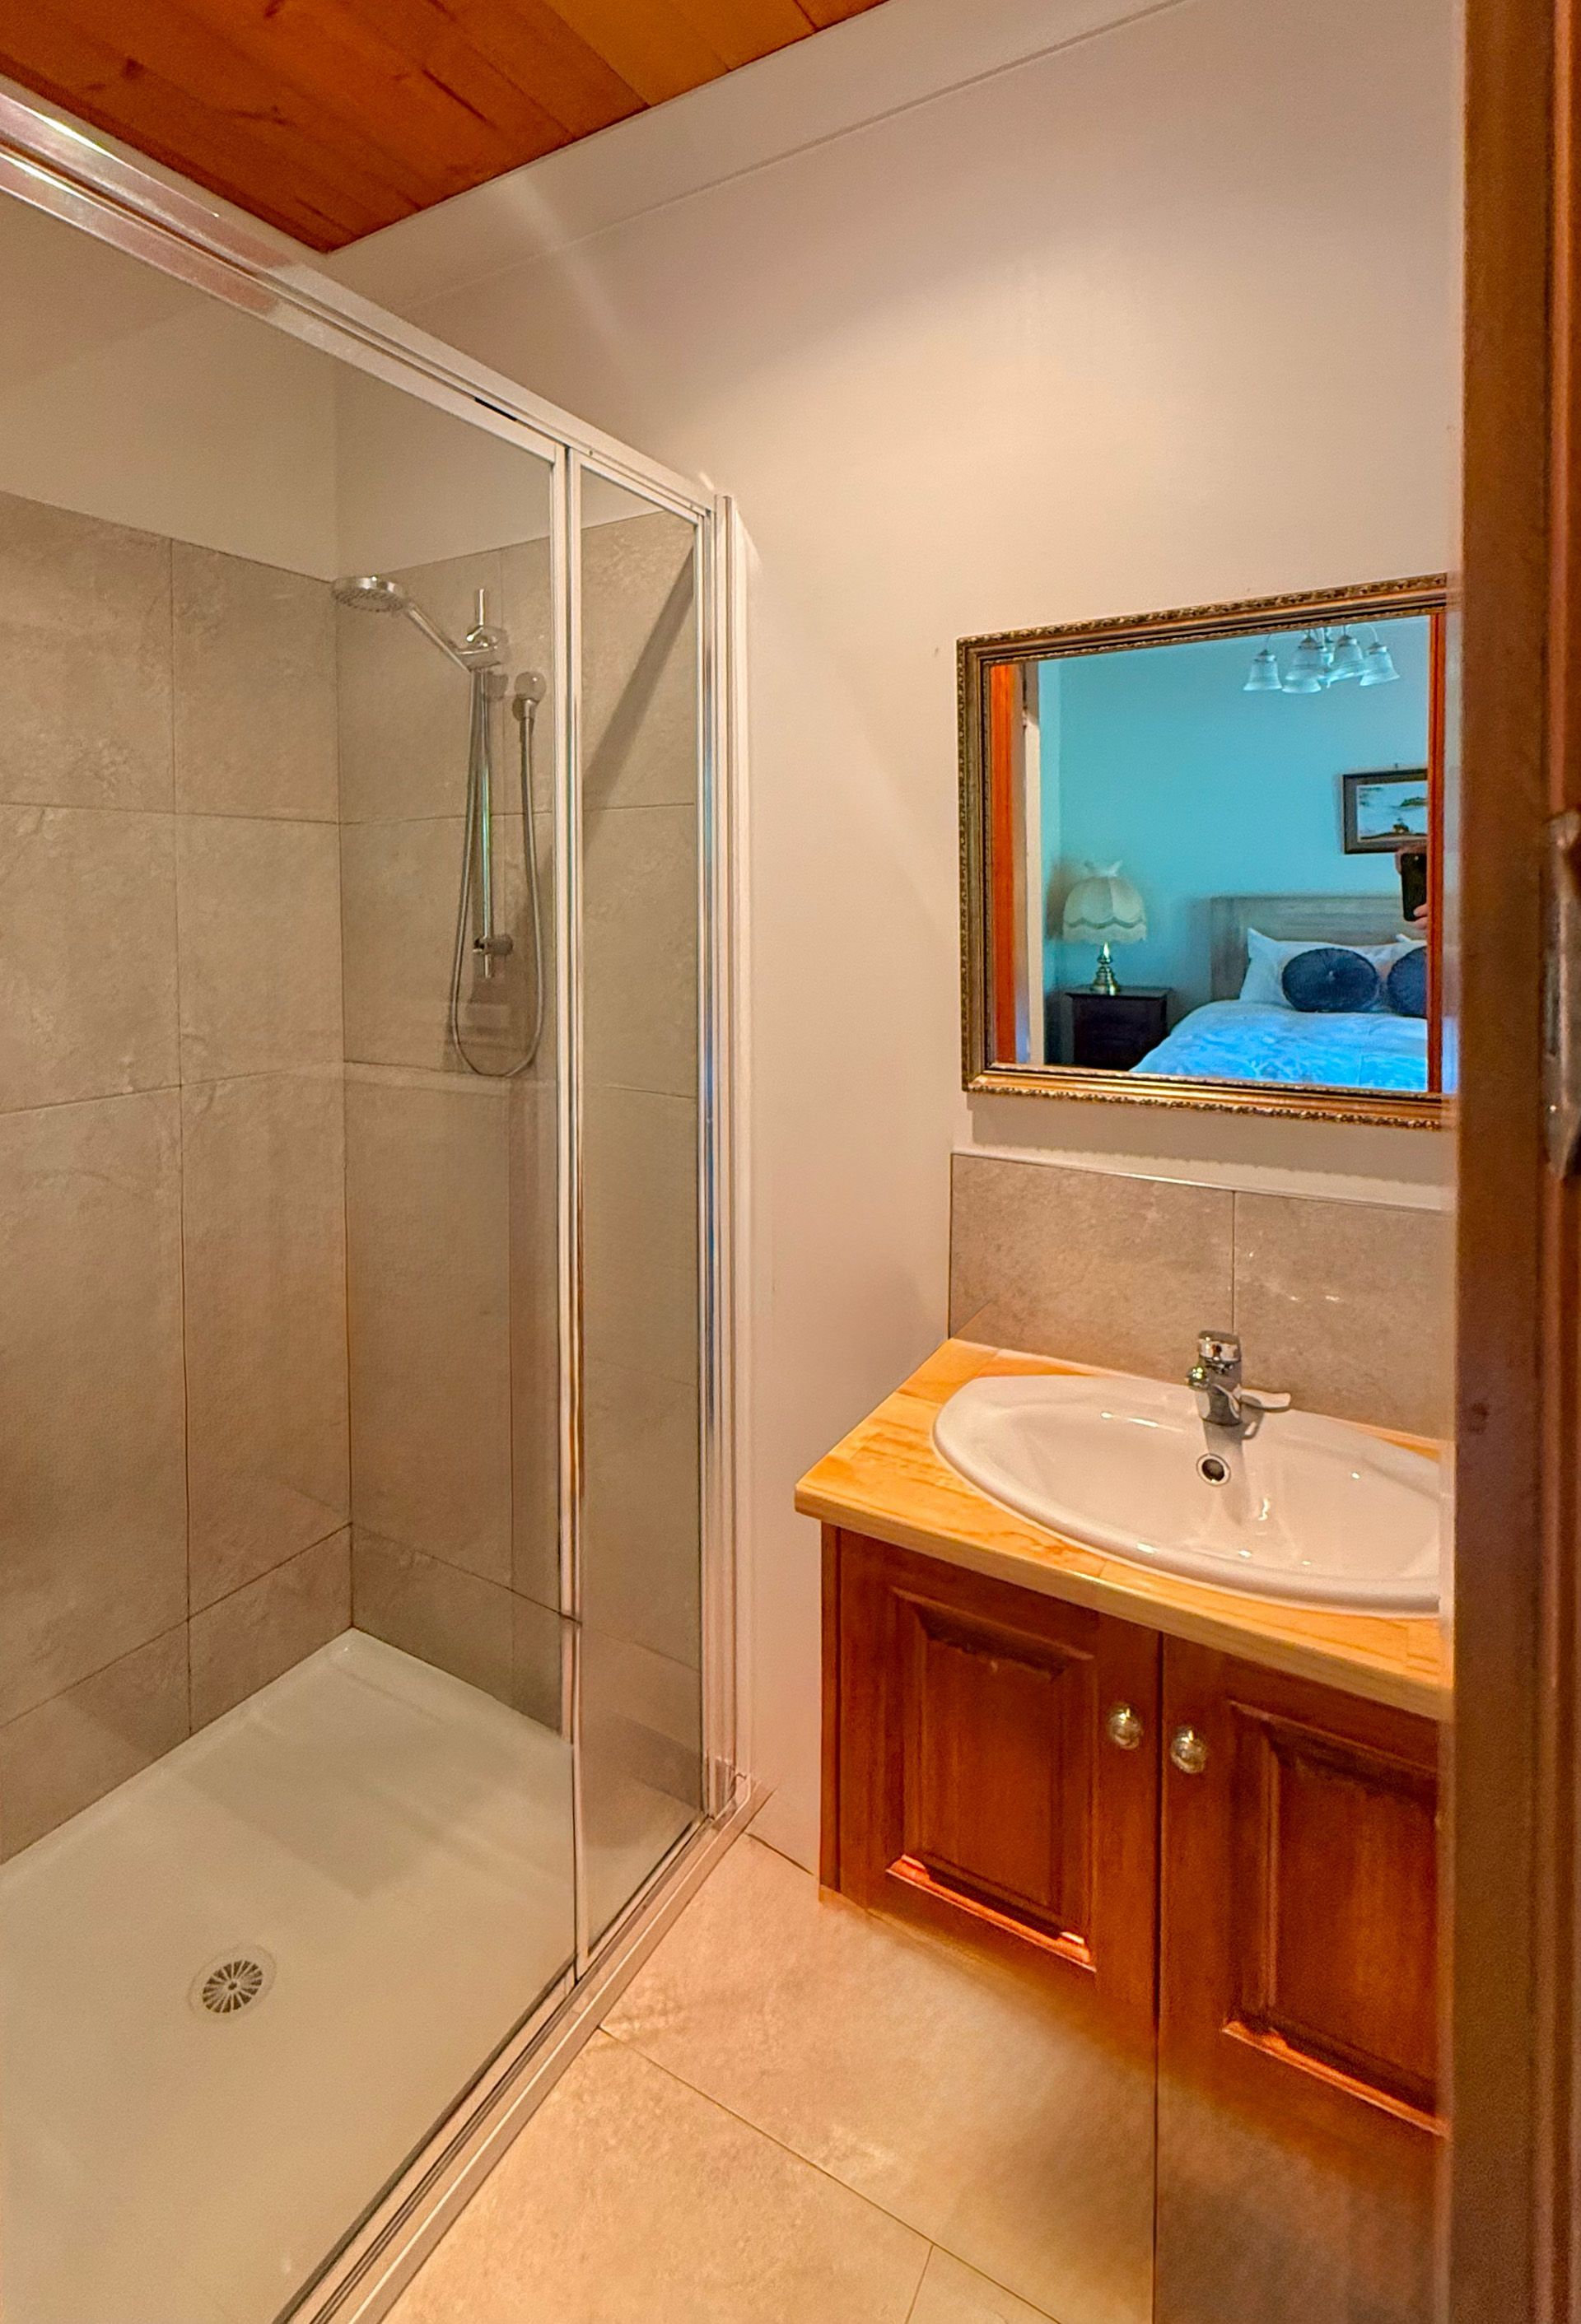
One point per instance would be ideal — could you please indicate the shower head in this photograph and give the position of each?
(370, 593)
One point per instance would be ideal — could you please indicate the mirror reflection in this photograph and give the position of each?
(1209, 852)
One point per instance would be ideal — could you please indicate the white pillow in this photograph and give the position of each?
(1267, 956)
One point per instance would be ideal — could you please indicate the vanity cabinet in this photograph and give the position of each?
(1224, 1877)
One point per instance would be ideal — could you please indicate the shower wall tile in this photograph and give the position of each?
(87, 954)
(255, 688)
(1349, 1306)
(640, 947)
(1087, 1264)
(258, 1632)
(84, 660)
(428, 1210)
(640, 1231)
(639, 662)
(93, 1513)
(530, 618)
(400, 883)
(264, 1224)
(403, 706)
(260, 945)
(641, 1518)
(534, 1343)
(454, 1621)
(61, 1757)
(538, 1663)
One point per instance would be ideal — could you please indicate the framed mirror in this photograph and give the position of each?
(1202, 857)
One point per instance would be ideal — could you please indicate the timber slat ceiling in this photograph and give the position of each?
(331, 118)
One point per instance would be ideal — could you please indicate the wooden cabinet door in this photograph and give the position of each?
(1298, 2136)
(972, 1787)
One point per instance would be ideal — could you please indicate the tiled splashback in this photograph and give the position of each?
(1346, 1305)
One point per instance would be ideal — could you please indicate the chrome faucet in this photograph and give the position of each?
(1215, 1380)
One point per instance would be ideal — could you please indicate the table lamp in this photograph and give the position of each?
(1105, 910)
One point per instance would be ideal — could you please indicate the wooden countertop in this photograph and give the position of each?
(886, 1480)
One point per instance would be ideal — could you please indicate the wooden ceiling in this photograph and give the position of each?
(331, 118)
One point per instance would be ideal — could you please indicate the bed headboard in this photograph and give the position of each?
(1336, 919)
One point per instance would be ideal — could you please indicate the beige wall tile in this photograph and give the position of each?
(263, 1231)
(255, 688)
(630, 2199)
(641, 1556)
(92, 1549)
(260, 945)
(84, 660)
(428, 1222)
(539, 1637)
(1024, 2148)
(403, 706)
(1087, 1265)
(640, 1231)
(641, 1772)
(952, 2293)
(530, 617)
(452, 1620)
(71, 1751)
(534, 1343)
(640, 947)
(639, 662)
(256, 1634)
(87, 954)
(400, 884)
(1349, 1306)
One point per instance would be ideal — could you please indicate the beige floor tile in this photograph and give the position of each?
(257, 1632)
(246, 635)
(933, 2083)
(260, 944)
(952, 2293)
(630, 2199)
(85, 659)
(93, 1512)
(87, 954)
(263, 1237)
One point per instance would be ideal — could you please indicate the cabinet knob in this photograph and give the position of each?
(1123, 1727)
(1187, 1751)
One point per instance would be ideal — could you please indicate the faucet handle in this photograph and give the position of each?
(1218, 1350)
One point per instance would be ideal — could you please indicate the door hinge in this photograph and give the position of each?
(1561, 997)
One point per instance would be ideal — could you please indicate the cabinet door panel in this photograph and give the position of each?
(974, 1792)
(1298, 2136)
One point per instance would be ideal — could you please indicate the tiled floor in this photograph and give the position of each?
(750, 2141)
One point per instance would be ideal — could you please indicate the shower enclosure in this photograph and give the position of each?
(367, 1614)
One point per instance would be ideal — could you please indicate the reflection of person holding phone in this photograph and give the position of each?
(1413, 888)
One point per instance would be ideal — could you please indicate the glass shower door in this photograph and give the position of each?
(638, 1106)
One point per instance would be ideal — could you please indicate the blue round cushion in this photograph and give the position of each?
(1329, 979)
(1407, 986)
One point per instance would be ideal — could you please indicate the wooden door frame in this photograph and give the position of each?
(1512, 2211)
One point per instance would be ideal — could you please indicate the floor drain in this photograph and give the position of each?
(233, 1981)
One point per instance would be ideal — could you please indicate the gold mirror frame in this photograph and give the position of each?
(974, 658)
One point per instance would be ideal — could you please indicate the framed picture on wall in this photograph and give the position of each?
(1385, 811)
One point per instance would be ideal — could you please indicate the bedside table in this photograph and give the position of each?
(1113, 1030)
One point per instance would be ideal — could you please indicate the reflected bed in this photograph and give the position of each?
(1250, 1041)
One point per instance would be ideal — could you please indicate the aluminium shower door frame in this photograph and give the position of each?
(57, 167)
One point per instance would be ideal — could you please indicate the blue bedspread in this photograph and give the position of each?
(1250, 1041)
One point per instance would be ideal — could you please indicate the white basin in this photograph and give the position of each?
(1311, 1511)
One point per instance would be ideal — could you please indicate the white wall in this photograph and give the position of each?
(1163, 316)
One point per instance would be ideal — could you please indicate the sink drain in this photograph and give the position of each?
(1212, 1469)
(234, 1980)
